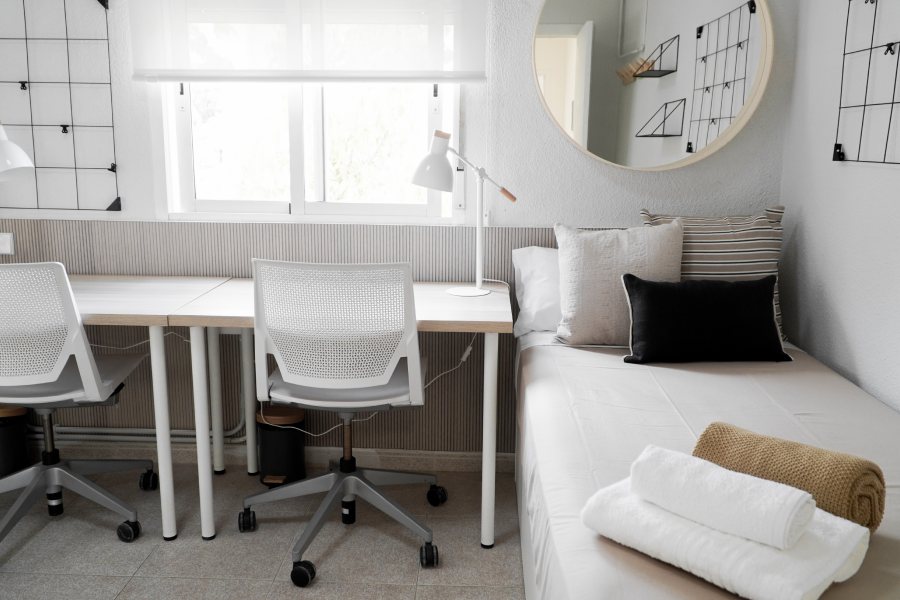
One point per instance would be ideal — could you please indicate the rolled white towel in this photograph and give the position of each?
(832, 549)
(742, 505)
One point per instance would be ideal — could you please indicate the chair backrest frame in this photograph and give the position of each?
(75, 344)
(407, 346)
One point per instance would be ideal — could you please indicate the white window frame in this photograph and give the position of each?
(180, 167)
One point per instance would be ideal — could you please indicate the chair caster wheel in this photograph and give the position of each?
(437, 495)
(246, 520)
(149, 481)
(303, 573)
(129, 531)
(55, 503)
(428, 555)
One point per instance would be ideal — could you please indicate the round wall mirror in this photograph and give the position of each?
(652, 84)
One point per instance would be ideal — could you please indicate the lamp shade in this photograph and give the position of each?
(435, 171)
(11, 156)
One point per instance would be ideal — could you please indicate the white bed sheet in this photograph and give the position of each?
(584, 415)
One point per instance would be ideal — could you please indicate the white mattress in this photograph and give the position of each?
(584, 416)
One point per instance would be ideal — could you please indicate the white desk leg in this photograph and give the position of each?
(201, 424)
(489, 444)
(248, 392)
(215, 400)
(163, 432)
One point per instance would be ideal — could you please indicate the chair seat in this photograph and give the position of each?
(67, 390)
(394, 393)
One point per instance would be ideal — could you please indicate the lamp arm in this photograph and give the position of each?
(482, 174)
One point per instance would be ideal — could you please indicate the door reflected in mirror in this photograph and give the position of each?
(652, 83)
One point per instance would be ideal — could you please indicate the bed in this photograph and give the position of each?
(584, 415)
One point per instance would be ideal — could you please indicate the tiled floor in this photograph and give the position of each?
(77, 556)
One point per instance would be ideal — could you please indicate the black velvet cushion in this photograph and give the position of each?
(699, 321)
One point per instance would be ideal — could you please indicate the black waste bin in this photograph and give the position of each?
(13, 444)
(282, 451)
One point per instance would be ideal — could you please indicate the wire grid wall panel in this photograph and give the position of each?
(33, 327)
(868, 128)
(721, 74)
(333, 324)
(56, 104)
(451, 418)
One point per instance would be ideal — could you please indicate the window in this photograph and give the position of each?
(333, 149)
(307, 107)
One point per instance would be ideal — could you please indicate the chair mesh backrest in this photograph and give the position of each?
(33, 322)
(334, 324)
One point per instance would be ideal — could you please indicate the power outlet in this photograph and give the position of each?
(6, 244)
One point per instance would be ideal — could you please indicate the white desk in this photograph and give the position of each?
(231, 306)
(146, 302)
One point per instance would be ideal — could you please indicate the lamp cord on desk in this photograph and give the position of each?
(496, 281)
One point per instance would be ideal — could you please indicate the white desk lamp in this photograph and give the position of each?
(11, 156)
(435, 172)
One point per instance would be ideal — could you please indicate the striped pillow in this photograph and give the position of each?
(730, 248)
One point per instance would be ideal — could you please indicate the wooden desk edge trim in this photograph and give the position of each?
(210, 321)
(126, 320)
(423, 326)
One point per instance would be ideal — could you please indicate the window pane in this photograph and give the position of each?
(374, 137)
(241, 142)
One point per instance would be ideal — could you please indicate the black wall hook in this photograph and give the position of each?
(838, 154)
(65, 128)
(112, 168)
(23, 85)
(889, 49)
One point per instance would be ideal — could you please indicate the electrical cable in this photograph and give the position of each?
(463, 359)
(178, 335)
(262, 417)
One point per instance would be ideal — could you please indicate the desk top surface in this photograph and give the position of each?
(231, 305)
(225, 302)
(143, 301)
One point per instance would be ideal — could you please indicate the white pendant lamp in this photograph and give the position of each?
(11, 156)
(435, 172)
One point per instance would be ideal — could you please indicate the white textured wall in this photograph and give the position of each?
(506, 128)
(842, 257)
(555, 181)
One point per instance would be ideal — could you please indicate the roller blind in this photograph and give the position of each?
(308, 40)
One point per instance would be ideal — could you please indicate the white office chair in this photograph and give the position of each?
(46, 363)
(344, 339)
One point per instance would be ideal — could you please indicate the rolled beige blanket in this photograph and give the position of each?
(842, 484)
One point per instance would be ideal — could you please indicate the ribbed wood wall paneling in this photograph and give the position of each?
(451, 418)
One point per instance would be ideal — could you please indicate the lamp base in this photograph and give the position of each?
(468, 292)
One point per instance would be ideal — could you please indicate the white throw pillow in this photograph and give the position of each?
(591, 264)
(537, 289)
